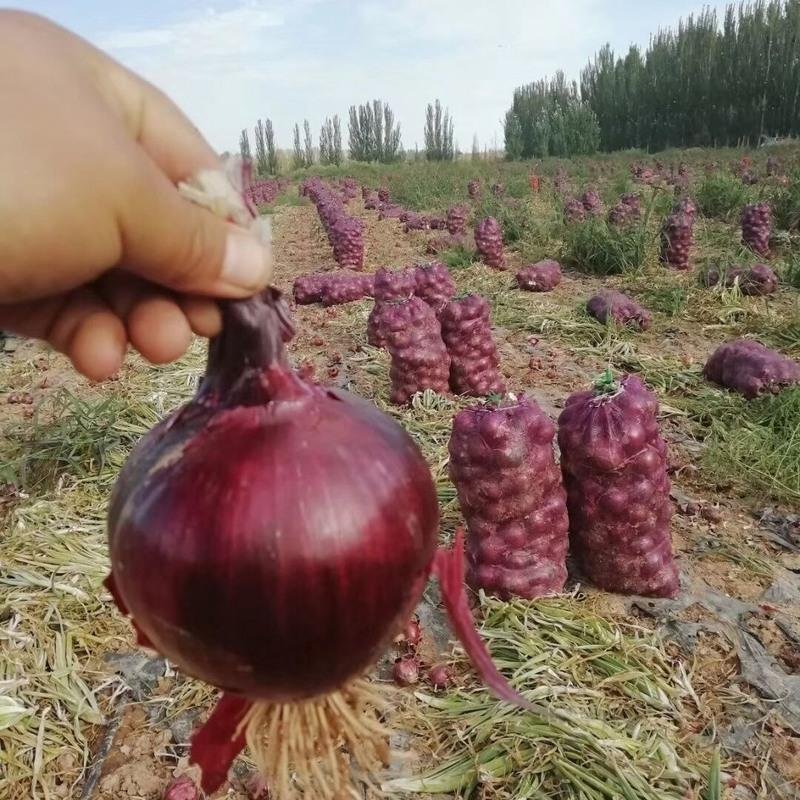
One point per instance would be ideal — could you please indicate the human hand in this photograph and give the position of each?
(98, 251)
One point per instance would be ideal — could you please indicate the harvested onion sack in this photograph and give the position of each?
(474, 360)
(435, 284)
(389, 286)
(750, 368)
(259, 550)
(609, 305)
(512, 497)
(543, 276)
(419, 357)
(615, 469)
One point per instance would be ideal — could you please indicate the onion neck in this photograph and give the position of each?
(247, 362)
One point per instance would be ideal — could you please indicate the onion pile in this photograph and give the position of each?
(258, 550)
(489, 242)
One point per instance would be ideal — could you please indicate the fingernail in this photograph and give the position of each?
(247, 263)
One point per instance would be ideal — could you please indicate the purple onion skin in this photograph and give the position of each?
(611, 305)
(751, 369)
(759, 280)
(687, 207)
(440, 677)
(332, 288)
(757, 227)
(406, 671)
(308, 289)
(182, 788)
(389, 286)
(251, 543)
(512, 497)
(592, 204)
(574, 211)
(543, 276)
(376, 326)
(457, 220)
(615, 469)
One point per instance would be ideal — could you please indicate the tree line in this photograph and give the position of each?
(702, 84)
(373, 135)
(549, 118)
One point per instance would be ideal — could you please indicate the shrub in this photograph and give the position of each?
(785, 204)
(595, 247)
(721, 196)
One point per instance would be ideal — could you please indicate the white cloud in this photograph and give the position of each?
(206, 35)
(134, 40)
(312, 58)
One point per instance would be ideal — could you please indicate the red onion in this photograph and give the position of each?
(757, 281)
(543, 276)
(435, 285)
(255, 547)
(259, 531)
(677, 240)
(489, 242)
(412, 634)
(592, 204)
(182, 788)
(574, 210)
(512, 497)
(457, 219)
(406, 671)
(474, 360)
(757, 227)
(440, 677)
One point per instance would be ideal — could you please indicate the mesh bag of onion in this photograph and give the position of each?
(419, 356)
(489, 242)
(467, 334)
(543, 276)
(615, 469)
(246, 535)
(612, 306)
(747, 367)
(389, 286)
(512, 498)
(435, 284)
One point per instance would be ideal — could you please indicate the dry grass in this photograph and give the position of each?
(57, 622)
(611, 710)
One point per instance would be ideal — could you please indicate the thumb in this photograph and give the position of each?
(175, 243)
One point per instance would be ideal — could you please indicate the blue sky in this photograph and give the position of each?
(229, 62)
